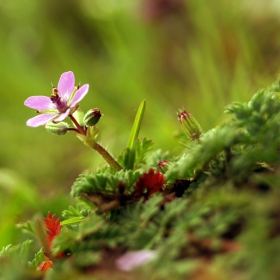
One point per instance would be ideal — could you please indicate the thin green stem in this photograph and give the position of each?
(97, 147)
(108, 158)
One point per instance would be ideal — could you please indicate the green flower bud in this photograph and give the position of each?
(92, 117)
(60, 128)
(190, 125)
(79, 116)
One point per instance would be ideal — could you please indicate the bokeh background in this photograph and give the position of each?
(196, 54)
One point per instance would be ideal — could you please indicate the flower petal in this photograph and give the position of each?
(40, 120)
(38, 102)
(63, 116)
(129, 261)
(79, 95)
(66, 85)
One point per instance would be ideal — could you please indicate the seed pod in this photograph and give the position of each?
(60, 128)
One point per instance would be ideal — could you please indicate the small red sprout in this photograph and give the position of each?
(53, 227)
(44, 266)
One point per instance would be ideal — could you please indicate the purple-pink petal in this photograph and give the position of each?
(38, 102)
(66, 85)
(40, 120)
(131, 260)
(79, 95)
(63, 116)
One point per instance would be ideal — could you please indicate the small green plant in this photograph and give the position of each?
(210, 213)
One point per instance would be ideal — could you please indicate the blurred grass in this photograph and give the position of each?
(200, 55)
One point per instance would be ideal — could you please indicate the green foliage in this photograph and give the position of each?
(169, 57)
(105, 183)
(38, 258)
(130, 150)
(219, 205)
(240, 144)
(73, 212)
(158, 156)
(218, 195)
(141, 148)
(18, 252)
(28, 226)
(5, 250)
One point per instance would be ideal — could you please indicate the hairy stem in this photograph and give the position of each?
(97, 147)
(108, 158)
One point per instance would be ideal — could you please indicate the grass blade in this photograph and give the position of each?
(130, 157)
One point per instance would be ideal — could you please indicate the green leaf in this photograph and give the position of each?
(5, 250)
(18, 252)
(38, 258)
(80, 211)
(130, 157)
(100, 183)
(141, 148)
(27, 226)
(72, 221)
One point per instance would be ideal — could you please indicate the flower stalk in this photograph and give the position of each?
(109, 159)
(79, 128)
(63, 103)
(87, 136)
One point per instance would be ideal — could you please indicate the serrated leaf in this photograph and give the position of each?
(141, 148)
(82, 210)
(100, 183)
(27, 226)
(5, 250)
(19, 252)
(91, 182)
(89, 225)
(38, 258)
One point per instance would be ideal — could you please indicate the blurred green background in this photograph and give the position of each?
(196, 54)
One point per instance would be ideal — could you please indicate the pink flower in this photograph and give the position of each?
(60, 104)
(131, 260)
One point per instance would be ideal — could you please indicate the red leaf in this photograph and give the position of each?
(53, 227)
(149, 183)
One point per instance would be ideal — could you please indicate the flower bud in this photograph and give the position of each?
(190, 125)
(92, 117)
(57, 128)
(163, 165)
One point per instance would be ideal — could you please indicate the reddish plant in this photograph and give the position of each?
(149, 183)
(53, 227)
(44, 266)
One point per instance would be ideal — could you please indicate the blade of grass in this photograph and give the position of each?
(130, 156)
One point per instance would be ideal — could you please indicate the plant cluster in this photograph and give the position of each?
(210, 213)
